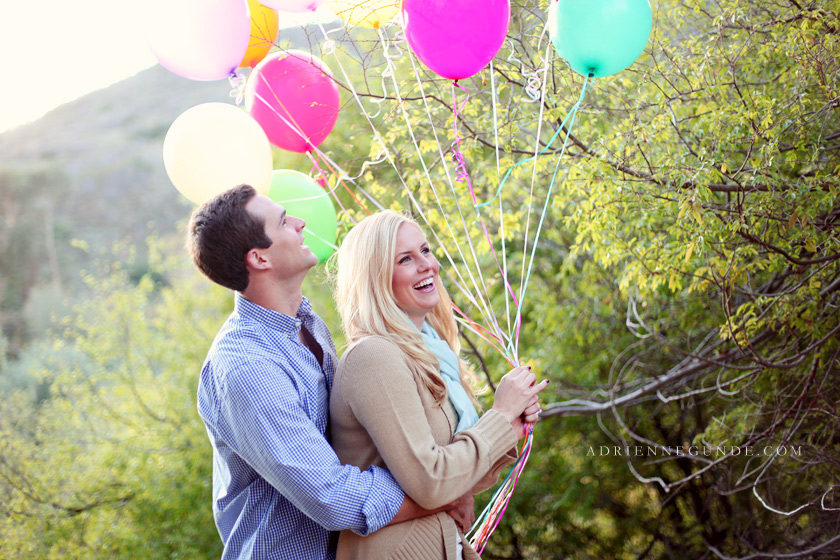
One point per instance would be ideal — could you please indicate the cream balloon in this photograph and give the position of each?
(212, 147)
(372, 14)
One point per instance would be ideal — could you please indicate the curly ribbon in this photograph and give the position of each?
(534, 84)
(491, 516)
(237, 81)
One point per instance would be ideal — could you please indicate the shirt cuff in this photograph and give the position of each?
(383, 503)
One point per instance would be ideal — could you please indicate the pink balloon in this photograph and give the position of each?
(198, 39)
(298, 6)
(293, 96)
(456, 39)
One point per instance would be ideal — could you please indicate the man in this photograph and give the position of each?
(278, 487)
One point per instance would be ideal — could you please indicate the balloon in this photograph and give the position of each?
(298, 6)
(214, 146)
(265, 25)
(599, 37)
(456, 39)
(372, 14)
(294, 98)
(198, 39)
(303, 198)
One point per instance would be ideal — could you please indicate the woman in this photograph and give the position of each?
(401, 395)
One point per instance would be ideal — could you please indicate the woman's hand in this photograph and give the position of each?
(530, 416)
(516, 398)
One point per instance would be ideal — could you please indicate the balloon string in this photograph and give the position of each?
(486, 310)
(325, 176)
(530, 205)
(474, 327)
(498, 177)
(310, 149)
(319, 238)
(498, 336)
(571, 119)
(386, 155)
(481, 331)
(463, 176)
(336, 170)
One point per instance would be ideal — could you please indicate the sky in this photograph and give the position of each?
(54, 51)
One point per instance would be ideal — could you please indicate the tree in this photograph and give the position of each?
(684, 293)
(29, 243)
(113, 461)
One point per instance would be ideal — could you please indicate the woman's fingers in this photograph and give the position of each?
(532, 412)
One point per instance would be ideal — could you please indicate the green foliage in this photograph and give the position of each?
(684, 294)
(114, 461)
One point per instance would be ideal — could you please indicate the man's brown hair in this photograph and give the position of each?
(220, 234)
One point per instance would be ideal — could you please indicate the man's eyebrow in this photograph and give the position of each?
(282, 215)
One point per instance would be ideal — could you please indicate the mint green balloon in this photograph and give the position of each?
(303, 198)
(599, 37)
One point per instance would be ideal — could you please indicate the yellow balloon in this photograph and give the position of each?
(212, 147)
(372, 14)
(265, 25)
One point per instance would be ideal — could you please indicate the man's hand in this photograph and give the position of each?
(462, 511)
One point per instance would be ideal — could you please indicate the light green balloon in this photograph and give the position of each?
(304, 198)
(599, 37)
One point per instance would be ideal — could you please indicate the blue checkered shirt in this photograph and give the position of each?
(278, 487)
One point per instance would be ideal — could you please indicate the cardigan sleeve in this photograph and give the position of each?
(380, 390)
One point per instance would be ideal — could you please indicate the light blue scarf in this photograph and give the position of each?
(467, 416)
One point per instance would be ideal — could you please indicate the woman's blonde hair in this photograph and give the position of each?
(367, 306)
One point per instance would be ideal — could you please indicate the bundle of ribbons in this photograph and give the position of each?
(489, 519)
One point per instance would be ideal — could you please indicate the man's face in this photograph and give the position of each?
(287, 253)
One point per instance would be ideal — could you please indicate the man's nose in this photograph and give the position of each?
(300, 223)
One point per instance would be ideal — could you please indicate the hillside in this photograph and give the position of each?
(108, 144)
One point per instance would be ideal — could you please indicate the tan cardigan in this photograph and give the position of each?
(381, 415)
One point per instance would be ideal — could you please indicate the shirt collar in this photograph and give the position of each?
(273, 319)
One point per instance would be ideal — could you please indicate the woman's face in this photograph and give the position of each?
(415, 278)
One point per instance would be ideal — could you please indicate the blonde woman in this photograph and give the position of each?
(401, 397)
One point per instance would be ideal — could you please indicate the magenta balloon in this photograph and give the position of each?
(456, 39)
(294, 98)
(198, 39)
(298, 6)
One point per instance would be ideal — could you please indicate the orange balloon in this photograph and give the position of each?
(265, 25)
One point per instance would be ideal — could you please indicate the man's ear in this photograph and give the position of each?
(254, 259)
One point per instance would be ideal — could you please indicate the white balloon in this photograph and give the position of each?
(198, 39)
(212, 147)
